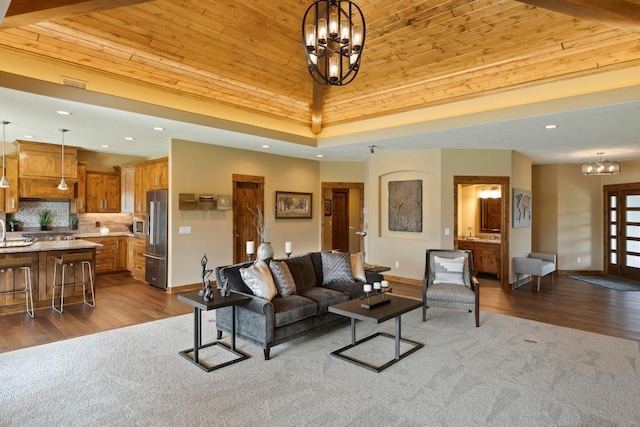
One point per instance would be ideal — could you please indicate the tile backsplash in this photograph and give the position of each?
(29, 209)
(88, 222)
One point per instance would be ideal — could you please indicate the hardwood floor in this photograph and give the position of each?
(122, 301)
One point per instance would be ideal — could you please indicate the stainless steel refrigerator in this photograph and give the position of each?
(156, 252)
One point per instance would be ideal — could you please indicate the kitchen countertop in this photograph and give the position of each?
(54, 245)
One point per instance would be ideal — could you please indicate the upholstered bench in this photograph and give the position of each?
(536, 264)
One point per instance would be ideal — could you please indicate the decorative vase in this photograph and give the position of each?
(265, 251)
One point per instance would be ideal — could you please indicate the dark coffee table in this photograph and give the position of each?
(199, 304)
(394, 309)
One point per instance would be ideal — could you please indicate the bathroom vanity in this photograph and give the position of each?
(486, 254)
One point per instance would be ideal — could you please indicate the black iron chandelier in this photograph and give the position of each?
(333, 34)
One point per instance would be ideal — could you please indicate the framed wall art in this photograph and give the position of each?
(293, 205)
(327, 207)
(521, 208)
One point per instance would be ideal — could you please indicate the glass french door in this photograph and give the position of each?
(623, 236)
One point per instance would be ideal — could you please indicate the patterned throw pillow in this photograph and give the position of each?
(357, 267)
(258, 278)
(283, 278)
(336, 267)
(449, 270)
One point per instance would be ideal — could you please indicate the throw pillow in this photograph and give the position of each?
(449, 270)
(357, 267)
(302, 271)
(258, 278)
(336, 267)
(283, 278)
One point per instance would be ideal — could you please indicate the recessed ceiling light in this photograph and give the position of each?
(63, 113)
(319, 155)
(28, 136)
(105, 146)
(551, 126)
(266, 146)
(158, 128)
(129, 138)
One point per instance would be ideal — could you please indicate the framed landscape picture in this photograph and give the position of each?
(293, 205)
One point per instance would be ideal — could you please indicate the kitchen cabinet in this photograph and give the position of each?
(44, 161)
(81, 189)
(127, 187)
(112, 256)
(9, 203)
(135, 260)
(103, 192)
(149, 175)
(486, 256)
(158, 174)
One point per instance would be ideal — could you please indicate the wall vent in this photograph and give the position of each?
(74, 83)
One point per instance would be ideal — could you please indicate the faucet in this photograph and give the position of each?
(3, 239)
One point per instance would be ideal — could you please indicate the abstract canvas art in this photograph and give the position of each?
(521, 208)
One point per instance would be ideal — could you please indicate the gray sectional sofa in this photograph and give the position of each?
(269, 323)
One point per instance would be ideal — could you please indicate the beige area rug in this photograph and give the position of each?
(508, 372)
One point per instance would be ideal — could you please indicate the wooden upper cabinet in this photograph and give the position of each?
(127, 187)
(159, 174)
(149, 175)
(44, 161)
(9, 199)
(40, 170)
(103, 192)
(141, 186)
(81, 189)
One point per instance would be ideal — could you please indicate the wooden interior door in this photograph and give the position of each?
(622, 236)
(248, 194)
(340, 219)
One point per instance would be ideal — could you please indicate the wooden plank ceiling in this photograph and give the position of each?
(248, 53)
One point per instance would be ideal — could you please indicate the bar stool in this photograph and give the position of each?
(70, 260)
(11, 264)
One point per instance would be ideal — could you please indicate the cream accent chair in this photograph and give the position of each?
(536, 264)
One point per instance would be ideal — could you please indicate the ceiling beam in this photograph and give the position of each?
(624, 14)
(26, 12)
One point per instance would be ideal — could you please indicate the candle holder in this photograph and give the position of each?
(250, 256)
(375, 298)
(288, 254)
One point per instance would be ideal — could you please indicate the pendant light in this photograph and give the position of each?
(4, 183)
(63, 185)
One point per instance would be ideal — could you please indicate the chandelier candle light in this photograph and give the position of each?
(601, 167)
(333, 34)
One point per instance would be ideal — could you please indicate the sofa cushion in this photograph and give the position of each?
(302, 271)
(231, 273)
(292, 309)
(353, 289)
(283, 278)
(449, 270)
(357, 267)
(336, 267)
(325, 297)
(258, 278)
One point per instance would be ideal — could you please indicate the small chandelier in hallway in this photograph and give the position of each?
(601, 167)
(333, 33)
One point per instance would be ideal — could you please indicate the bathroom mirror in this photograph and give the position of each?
(490, 215)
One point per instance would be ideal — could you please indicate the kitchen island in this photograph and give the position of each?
(42, 255)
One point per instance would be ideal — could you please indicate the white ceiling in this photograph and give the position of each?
(599, 122)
